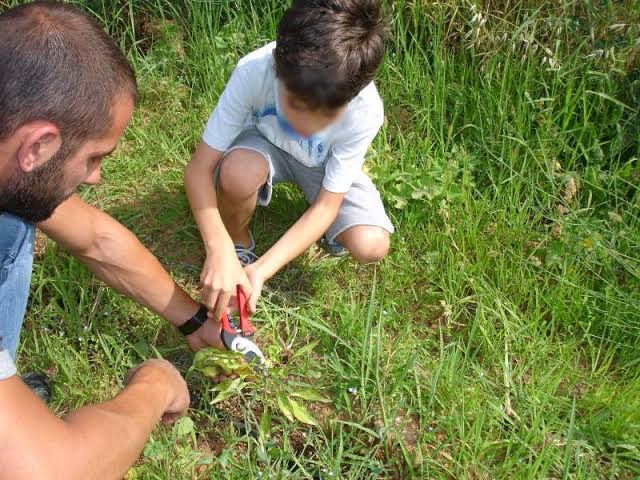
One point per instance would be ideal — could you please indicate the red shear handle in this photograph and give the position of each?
(226, 326)
(243, 310)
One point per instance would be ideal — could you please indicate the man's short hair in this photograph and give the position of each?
(328, 50)
(58, 65)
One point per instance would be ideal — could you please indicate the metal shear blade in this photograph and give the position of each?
(240, 339)
(249, 349)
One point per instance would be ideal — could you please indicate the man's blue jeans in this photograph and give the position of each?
(16, 261)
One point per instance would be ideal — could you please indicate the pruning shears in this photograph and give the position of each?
(239, 338)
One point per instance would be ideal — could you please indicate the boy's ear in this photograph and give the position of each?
(39, 143)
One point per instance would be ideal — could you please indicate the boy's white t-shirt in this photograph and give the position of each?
(250, 99)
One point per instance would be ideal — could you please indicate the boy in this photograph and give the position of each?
(303, 109)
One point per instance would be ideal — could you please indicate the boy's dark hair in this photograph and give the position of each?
(329, 50)
(58, 65)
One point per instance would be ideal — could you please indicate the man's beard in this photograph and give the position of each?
(35, 195)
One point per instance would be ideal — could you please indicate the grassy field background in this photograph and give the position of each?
(500, 339)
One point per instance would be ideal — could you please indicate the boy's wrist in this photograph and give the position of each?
(261, 268)
(215, 241)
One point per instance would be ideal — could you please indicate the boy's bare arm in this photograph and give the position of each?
(302, 234)
(222, 271)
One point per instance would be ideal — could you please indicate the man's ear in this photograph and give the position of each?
(40, 142)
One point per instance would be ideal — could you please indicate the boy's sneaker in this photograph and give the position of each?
(246, 255)
(39, 384)
(333, 247)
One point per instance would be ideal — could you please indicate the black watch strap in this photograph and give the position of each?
(195, 322)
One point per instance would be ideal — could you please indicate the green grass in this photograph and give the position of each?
(501, 337)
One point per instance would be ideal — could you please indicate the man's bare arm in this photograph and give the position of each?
(117, 257)
(95, 442)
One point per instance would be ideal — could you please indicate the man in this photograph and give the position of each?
(66, 96)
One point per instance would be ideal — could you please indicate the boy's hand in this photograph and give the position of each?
(256, 278)
(221, 274)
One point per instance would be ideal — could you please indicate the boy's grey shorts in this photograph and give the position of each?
(362, 204)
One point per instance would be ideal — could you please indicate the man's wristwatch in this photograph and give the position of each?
(195, 322)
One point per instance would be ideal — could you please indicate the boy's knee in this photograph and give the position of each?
(371, 246)
(242, 172)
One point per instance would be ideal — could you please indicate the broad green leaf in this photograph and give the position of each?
(225, 385)
(284, 405)
(211, 371)
(310, 395)
(222, 396)
(399, 203)
(212, 356)
(154, 449)
(418, 194)
(301, 413)
(184, 427)
(226, 457)
(265, 425)
(453, 192)
(212, 362)
(227, 388)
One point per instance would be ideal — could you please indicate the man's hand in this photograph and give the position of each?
(208, 335)
(162, 373)
(221, 274)
(256, 278)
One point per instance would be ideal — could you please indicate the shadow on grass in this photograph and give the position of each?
(162, 220)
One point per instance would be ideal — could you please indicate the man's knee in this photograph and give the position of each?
(370, 245)
(242, 172)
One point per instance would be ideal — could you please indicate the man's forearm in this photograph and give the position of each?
(118, 258)
(127, 420)
(122, 262)
(95, 442)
